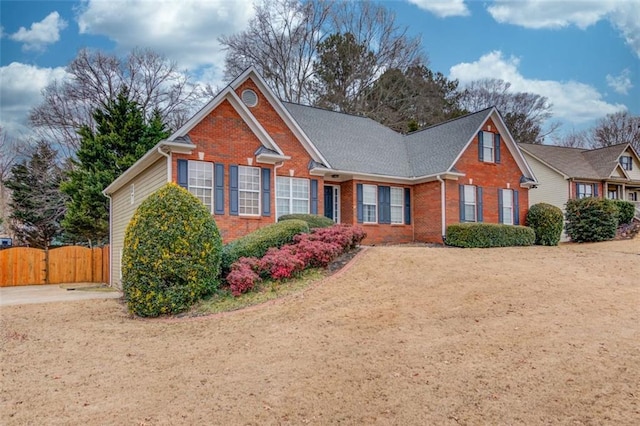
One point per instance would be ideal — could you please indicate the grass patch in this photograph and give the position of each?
(223, 301)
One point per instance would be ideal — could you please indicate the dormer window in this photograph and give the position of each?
(626, 162)
(489, 147)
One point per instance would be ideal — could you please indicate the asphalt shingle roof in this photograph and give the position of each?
(578, 162)
(360, 144)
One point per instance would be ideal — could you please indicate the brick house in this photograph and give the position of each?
(251, 158)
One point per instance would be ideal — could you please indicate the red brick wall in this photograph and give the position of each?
(491, 177)
(224, 137)
(376, 233)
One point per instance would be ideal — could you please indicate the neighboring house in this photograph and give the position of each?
(251, 158)
(567, 173)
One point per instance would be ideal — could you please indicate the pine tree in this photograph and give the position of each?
(36, 202)
(121, 137)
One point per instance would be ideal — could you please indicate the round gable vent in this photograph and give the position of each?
(249, 98)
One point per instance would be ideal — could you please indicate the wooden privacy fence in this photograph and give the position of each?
(68, 264)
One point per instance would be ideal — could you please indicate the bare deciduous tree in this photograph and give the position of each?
(574, 139)
(524, 113)
(94, 78)
(280, 42)
(620, 127)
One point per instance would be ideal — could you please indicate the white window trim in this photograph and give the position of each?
(625, 163)
(474, 203)
(588, 190)
(491, 139)
(291, 198)
(190, 187)
(507, 219)
(400, 206)
(375, 205)
(251, 191)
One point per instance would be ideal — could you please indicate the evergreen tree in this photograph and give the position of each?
(121, 137)
(37, 205)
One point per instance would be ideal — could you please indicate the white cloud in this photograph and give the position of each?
(536, 14)
(443, 8)
(622, 83)
(573, 102)
(41, 33)
(185, 31)
(21, 90)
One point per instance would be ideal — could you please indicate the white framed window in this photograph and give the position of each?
(397, 205)
(248, 191)
(470, 203)
(584, 190)
(626, 162)
(507, 206)
(292, 195)
(488, 147)
(200, 182)
(369, 203)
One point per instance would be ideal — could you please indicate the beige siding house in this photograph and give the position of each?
(566, 173)
(125, 199)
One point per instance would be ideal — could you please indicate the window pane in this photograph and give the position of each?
(470, 194)
(470, 212)
(283, 187)
(507, 215)
(488, 145)
(300, 188)
(200, 181)
(369, 213)
(300, 206)
(396, 214)
(283, 206)
(397, 195)
(507, 197)
(369, 194)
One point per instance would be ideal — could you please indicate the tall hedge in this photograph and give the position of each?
(314, 220)
(484, 235)
(591, 219)
(547, 222)
(171, 254)
(626, 211)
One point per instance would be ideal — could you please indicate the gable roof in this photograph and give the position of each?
(595, 164)
(437, 148)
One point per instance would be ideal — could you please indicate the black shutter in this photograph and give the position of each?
(314, 196)
(516, 208)
(497, 147)
(462, 217)
(233, 190)
(480, 147)
(183, 173)
(407, 206)
(384, 204)
(500, 206)
(359, 208)
(219, 188)
(266, 192)
(479, 205)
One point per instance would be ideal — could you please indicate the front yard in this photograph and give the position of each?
(406, 335)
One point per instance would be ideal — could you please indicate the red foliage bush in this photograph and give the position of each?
(316, 249)
(281, 263)
(242, 277)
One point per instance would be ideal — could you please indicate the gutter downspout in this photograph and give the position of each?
(276, 166)
(443, 206)
(164, 154)
(110, 239)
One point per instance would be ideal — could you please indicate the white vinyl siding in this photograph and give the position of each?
(147, 182)
(248, 191)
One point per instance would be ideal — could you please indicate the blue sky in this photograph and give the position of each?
(584, 55)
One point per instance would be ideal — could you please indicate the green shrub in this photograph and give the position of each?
(258, 242)
(489, 235)
(547, 222)
(171, 255)
(591, 219)
(314, 220)
(626, 211)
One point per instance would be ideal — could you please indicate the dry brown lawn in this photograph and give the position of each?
(404, 335)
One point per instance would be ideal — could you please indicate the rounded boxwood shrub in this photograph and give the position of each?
(626, 211)
(258, 242)
(314, 220)
(171, 255)
(591, 219)
(547, 222)
(483, 235)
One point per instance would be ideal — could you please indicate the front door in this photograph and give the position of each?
(332, 202)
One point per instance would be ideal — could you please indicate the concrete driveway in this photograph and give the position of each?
(21, 295)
